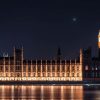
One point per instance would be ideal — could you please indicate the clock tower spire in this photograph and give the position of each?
(99, 44)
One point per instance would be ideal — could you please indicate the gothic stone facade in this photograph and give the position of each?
(16, 68)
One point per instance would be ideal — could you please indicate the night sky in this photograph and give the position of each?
(42, 26)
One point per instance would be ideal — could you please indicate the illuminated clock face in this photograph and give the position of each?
(99, 39)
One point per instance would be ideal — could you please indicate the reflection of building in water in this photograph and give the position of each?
(16, 68)
(11, 92)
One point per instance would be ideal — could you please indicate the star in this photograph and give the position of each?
(74, 19)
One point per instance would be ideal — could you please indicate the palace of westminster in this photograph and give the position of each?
(16, 68)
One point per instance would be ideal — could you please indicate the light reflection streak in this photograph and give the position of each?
(52, 92)
(41, 92)
(24, 91)
(72, 93)
(12, 92)
(3, 92)
(62, 92)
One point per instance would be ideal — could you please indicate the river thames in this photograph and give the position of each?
(49, 92)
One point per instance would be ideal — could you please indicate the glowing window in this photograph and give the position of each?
(24, 74)
(86, 67)
(77, 74)
(53, 74)
(72, 74)
(96, 68)
(62, 74)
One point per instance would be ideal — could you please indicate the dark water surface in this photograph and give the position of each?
(52, 92)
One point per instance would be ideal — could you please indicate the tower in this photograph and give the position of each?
(99, 45)
(59, 54)
(18, 63)
(81, 64)
(81, 56)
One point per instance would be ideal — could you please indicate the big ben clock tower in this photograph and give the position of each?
(99, 44)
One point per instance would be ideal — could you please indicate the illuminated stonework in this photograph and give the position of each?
(15, 68)
(99, 39)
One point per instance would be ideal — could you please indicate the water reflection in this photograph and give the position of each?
(40, 92)
(23, 92)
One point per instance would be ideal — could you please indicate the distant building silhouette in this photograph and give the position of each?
(91, 65)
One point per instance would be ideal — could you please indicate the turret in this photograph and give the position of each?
(59, 54)
(81, 56)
